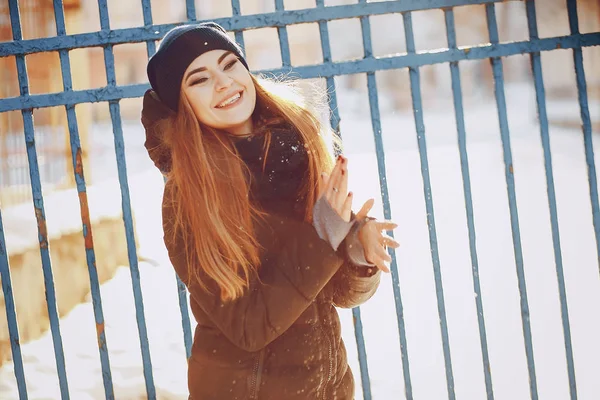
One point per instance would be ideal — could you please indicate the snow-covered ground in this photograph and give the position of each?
(500, 293)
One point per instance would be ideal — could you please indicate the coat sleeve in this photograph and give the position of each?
(353, 285)
(153, 112)
(357, 280)
(289, 280)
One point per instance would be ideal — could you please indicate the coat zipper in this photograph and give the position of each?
(319, 324)
(330, 354)
(257, 374)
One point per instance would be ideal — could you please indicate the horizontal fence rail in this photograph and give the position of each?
(327, 69)
(236, 23)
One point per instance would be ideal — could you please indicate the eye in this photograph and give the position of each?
(230, 64)
(198, 81)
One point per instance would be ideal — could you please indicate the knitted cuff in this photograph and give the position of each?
(329, 225)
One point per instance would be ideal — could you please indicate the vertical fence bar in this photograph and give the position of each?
(466, 177)
(181, 289)
(387, 211)
(147, 15)
(415, 89)
(284, 44)
(536, 67)
(38, 204)
(185, 317)
(190, 9)
(11, 315)
(376, 123)
(334, 118)
(239, 35)
(84, 209)
(115, 114)
(512, 200)
(586, 123)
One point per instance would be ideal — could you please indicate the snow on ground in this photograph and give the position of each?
(495, 252)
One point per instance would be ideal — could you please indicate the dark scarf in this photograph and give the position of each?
(276, 188)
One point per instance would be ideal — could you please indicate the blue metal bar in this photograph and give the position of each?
(327, 69)
(38, 205)
(181, 289)
(185, 317)
(387, 214)
(587, 124)
(239, 23)
(84, 209)
(147, 13)
(358, 331)
(362, 354)
(115, 115)
(334, 118)
(11, 315)
(190, 8)
(512, 200)
(387, 210)
(466, 177)
(239, 34)
(284, 44)
(415, 89)
(536, 66)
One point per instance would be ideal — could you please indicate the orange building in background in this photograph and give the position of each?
(44, 76)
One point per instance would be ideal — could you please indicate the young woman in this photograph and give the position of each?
(258, 224)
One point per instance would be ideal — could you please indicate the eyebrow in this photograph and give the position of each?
(200, 69)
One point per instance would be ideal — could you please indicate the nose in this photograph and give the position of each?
(222, 81)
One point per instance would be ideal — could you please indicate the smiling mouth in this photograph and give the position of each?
(230, 101)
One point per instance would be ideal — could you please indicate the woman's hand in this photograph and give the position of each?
(370, 235)
(373, 241)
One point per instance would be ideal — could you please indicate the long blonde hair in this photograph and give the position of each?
(209, 192)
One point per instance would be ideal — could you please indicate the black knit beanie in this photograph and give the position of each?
(179, 47)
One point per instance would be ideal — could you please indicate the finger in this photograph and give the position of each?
(380, 263)
(364, 211)
(347, 208)
(344, 179)
(329, 192)
(389, 242)
(386, 225)
(381, 253)
(339, 195)
(323, 186)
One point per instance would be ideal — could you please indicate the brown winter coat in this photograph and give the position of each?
(282, 339)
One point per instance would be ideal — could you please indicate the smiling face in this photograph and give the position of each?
(220, 91)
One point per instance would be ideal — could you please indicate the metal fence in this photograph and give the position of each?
(328, 69)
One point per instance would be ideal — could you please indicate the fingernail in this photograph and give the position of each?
(343, 171)
(350, 194)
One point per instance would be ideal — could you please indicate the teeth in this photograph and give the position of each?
(230, 100)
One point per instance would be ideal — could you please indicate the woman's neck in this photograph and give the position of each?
(243, 130)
